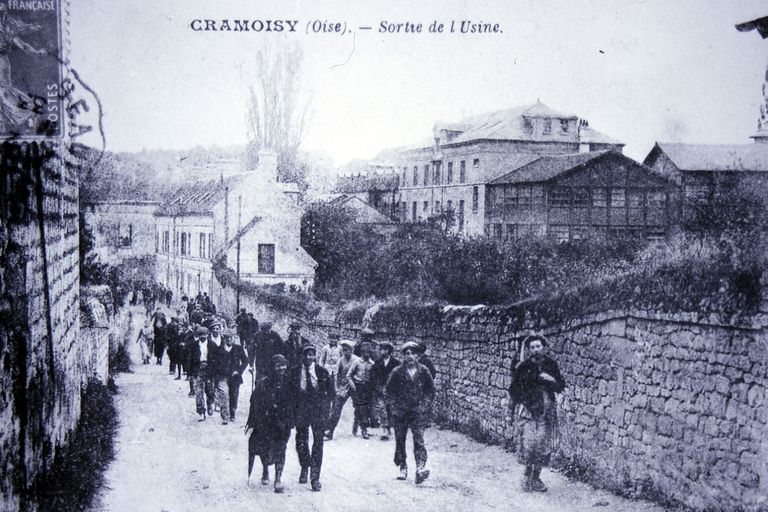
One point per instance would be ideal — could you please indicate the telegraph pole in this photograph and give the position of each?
(239, 218)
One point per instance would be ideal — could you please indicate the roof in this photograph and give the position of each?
(515, 124)
(716, 157)
(197, 197)
(760, 24)
(360, 183)
(547, 167)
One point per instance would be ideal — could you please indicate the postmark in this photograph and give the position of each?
(31, 69)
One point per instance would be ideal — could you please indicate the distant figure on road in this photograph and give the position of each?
(270, 419)
(534, 384)
(330, 355)
(342, 386)
(314, 393)
(410, 391)
(233, 364)
(160, 327)
(294, 344)
(359, 380)
(380, 373)
(146, 335)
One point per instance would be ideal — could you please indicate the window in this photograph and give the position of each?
(511, 231)
(426, 175)
(437, 206)
(580, 197)
(524, 196)
(656, 198)
(537, 196)
(413, 212)
(559, 233)
(449, 205)
(635, 198)
(449, 178)
(166, 242)
(461, 215)
(175, 242)
(415, 175)
(618, 198)
(547, 127)
(210, 245)
(437, 179)
(497, 231)
(476, 163)
(564, 125)
(183, 244)
(157, 241)
(189, 244)
(599, 197)
(266, 258)
(561, 197)
(463, 171)
(475, 199)
(426, 206)
(201, 245)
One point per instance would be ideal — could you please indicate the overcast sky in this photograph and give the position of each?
(639, 71)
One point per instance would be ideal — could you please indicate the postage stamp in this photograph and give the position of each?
(31, 103)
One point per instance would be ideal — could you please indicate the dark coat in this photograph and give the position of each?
(193, 365)
(233, 361)
(426, 361)
(267, 345)
(406, 395)
(380, 373)
(312, 407)
(527, 387)
(270, 416)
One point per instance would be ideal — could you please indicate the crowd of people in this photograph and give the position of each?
(297, 386)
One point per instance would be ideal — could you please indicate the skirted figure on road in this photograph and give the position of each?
(270, 420)
(314, 392)
(534, 383)
(410, 391)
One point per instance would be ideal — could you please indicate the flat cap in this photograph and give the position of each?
(201, 331)
(307, 348)
(348, 343)
(410, 345)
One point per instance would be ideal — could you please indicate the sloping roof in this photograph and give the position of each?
(197, 197)
(717, 157)
(547, 167)
(515, 124)
(360, 183)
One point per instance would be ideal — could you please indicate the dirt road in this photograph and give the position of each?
(168, 461)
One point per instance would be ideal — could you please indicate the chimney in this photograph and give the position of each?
(267, 166)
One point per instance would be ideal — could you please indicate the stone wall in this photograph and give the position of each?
(40, 374)
(665, 405)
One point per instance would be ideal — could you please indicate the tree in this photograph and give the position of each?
(277, 111)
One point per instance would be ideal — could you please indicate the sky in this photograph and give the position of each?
(638, 70)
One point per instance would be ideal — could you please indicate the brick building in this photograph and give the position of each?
(451, 171)
(570, 197)
(203, 221)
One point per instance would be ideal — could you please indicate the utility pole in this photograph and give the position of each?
(239, 219)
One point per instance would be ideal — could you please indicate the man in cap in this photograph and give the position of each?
(410, 391)
(380, 372)
(366, 336)
(216, 380)
(173, 335)
(534, 384)
(233, 363)
(314, 393)
(342, 385)
(330, 355)
(295, 343)
(198, 370)
(359, 380)
(270, 418)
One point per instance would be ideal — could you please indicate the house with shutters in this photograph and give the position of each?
(247, 221)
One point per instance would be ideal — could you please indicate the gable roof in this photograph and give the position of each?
(197, 197)
(547, 167)
(715, 157)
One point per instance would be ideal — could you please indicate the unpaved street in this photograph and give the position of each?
(168, 461)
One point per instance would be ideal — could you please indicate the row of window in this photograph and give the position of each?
(183, 243)
(578, 197)
(432, 174)
(564, 233)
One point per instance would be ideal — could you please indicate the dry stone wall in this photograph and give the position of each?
(41, 361)
(667, 405)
